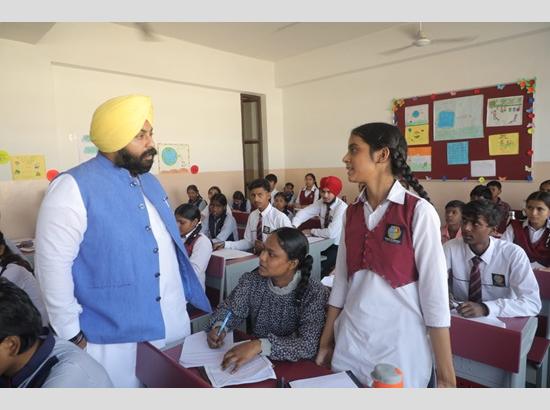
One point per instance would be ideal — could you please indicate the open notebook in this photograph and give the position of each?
(256, 370)
(336, 380)
(196, 353)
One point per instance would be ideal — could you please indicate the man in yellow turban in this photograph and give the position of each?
(109, 258)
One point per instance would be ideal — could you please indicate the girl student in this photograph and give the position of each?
(285, 306)
(281, 203)
(533, 234)
(240, 203)
(220, 225)
(213, 190)
(309, 193)
(389, 302)
(195, 197)
(198, 246)
(18, 271)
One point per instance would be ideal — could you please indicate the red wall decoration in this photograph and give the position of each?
(470, 134)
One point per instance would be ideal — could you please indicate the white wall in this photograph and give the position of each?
(323, 112)
(49, 91)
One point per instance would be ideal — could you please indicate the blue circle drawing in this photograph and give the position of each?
(169, 156)
(416, 114)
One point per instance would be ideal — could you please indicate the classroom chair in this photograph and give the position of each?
(215, 277)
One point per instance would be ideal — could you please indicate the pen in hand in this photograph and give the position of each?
(224, 323)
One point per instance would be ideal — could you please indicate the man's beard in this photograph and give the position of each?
(135, 165)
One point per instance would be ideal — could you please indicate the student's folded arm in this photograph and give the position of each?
(334, 228)
(228, 227)
(59, 231)
(304, 342)
(305, 214)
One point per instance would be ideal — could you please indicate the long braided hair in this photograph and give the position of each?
(190, 212)
(379, 135)
(296, 246)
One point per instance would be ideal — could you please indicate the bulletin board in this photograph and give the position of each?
(475, 134)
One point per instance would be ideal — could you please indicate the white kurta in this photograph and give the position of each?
(379, 324)
(60, 229)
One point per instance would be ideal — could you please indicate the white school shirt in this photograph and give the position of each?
(202, 251)
(25, 280)
(273, 193)
(62, 221)
(319, 208)
(314, 191)
(272, 219)
(503, 263)
(534, 234)
(229, 227)
(379, 324)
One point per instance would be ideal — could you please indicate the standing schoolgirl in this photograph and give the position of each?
(198, 246)
(389, 302)
(195, 197)
(309, 194)
(220, 225)
(533, 234)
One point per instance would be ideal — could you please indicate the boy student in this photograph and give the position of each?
(31, 356)
(503, 207)
(492, 276)
(545, 186)
(453, 221)
(261, 222)
(330, 209)
(272, 179)
(480, 192)
(288, 192)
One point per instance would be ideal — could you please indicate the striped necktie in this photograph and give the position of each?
(327, 217)
(259, 227)
(474, 291)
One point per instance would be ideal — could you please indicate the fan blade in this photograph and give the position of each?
(454, 40)
(146, 32)
(411, 30)
(396, 50)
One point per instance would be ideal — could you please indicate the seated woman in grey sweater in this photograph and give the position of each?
(286, 308)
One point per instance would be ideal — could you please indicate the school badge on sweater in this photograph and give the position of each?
(394, 234)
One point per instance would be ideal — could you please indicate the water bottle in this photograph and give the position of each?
(386, 375)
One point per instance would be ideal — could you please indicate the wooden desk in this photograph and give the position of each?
(490, 355)
(543, 279)
(156, 368)
(315, 249)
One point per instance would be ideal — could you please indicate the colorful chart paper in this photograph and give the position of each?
(417, 115)
(28, 167)
(173, 157)
(504, 144)
(457, 153)
(417, 134)
(458, 118)
(485, 168)
(505, 111)
(420, 159)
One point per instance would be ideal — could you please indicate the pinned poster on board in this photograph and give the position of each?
(420, 159)
(173, 157)
(505, 111)
(458, 118)
(28, 167)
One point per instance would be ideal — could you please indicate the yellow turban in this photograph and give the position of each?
(118, 120)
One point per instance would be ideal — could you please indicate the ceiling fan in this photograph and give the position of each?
(420, 39)
(147, 33)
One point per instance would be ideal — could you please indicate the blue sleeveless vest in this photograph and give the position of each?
(116, 272)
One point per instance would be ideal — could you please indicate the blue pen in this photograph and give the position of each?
(224, 323)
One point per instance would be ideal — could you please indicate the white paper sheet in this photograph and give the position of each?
(486, 168)
(231, 253)
(256, 370)
(336, 380)
(488, 320)
(196, 353)
(313, 239)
